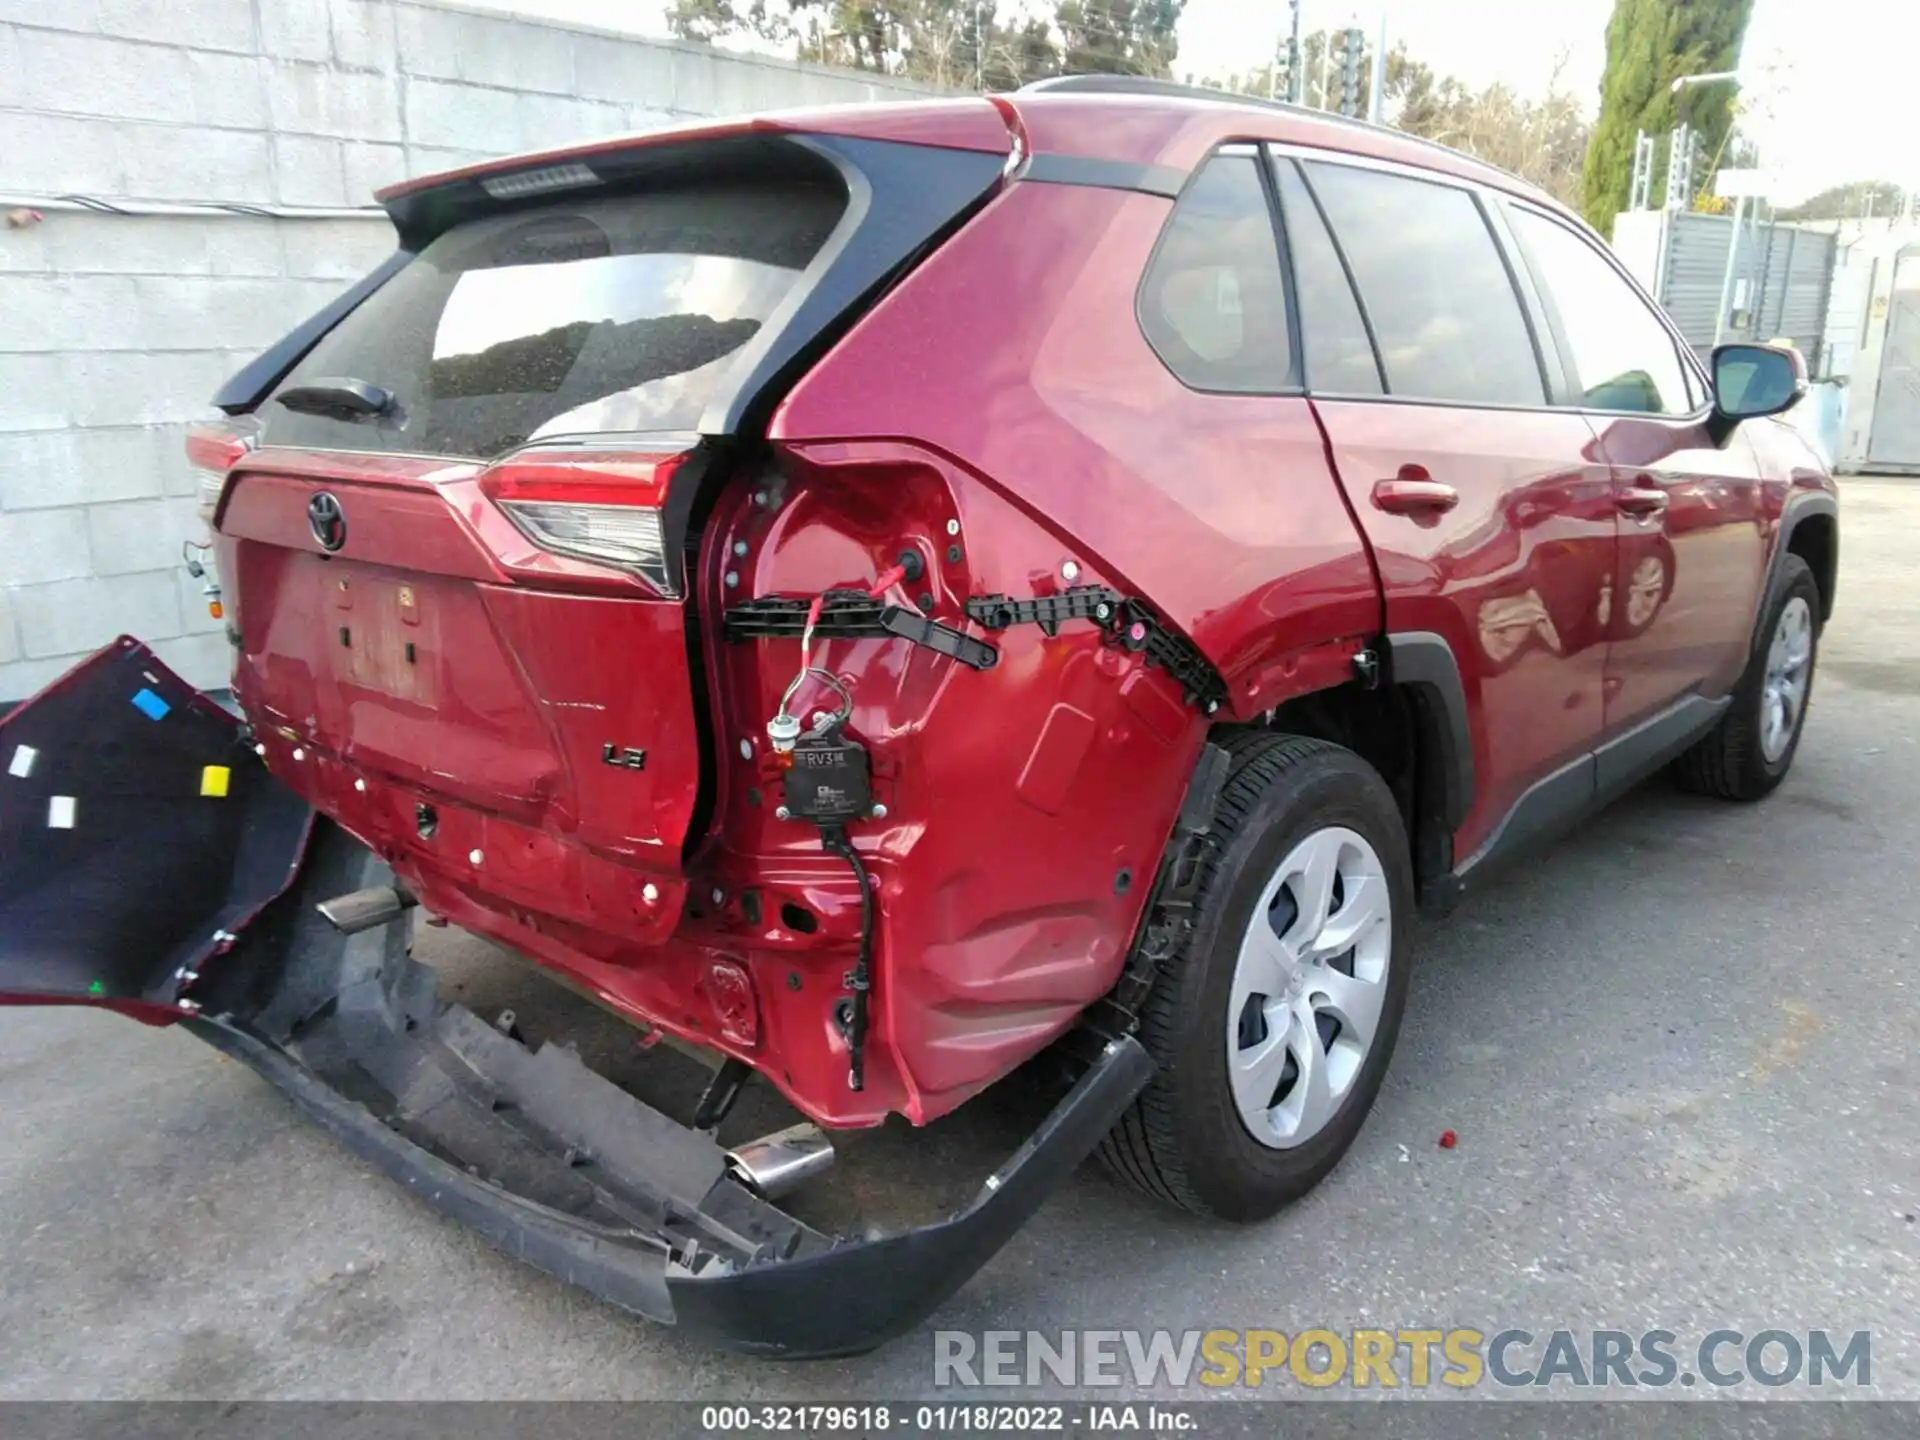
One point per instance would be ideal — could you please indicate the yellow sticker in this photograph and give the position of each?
(213, 780)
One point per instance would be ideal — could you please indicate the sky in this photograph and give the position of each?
(1833, 81)
(1832, 90)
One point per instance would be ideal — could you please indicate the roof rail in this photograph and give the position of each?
(1173, 89)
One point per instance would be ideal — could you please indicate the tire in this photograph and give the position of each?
(1187, 1140)
(1744, 756)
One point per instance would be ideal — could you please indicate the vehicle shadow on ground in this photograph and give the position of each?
(897, 1176)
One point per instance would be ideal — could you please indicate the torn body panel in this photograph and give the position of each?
(552, 1162)
(1021, 808)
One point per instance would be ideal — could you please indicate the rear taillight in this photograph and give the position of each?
(600, 505)
(214, 447)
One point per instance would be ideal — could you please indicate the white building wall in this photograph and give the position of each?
(115, 330)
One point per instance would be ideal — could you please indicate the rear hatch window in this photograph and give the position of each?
(581, 317)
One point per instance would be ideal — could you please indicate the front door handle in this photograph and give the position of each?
(1413, 492)
(1640, 502)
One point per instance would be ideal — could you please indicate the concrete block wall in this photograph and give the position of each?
(115, 330)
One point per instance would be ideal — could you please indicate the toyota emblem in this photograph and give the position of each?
(327, 520)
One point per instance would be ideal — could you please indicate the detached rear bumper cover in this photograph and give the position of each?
(829, 1298)
(550, 1161)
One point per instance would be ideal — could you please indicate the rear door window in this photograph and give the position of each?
(1339, 353)
(587, 317)
(1213, 300)
(1436, 288)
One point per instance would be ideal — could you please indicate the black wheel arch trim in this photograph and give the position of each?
(1800, 508)
(1425, 661)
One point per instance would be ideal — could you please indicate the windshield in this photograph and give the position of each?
(583, 317)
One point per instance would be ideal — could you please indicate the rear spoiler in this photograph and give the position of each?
(903, 198)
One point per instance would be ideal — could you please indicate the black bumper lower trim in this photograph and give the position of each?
(619, 1269)
(859, 1294)
(833, 1298)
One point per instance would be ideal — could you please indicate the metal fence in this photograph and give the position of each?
(1781, 279)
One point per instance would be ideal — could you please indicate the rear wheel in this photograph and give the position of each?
(1273, 1030)
(1751, 749)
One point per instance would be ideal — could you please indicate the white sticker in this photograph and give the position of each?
(60, 812)
(23, 758)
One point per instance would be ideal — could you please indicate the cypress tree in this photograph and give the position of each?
(1650, 43)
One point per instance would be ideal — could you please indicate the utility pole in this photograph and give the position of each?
(1377, 94)
(979, 47)
(1680, 145)
(1295, 81)
(1287, 53)
(1352, 41)
(1726, 275)
(1640, 189)
(1326, 63)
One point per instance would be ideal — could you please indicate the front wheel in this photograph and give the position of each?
(1274, 1027)
(1751, 749)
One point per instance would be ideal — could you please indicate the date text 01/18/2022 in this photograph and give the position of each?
(973, 1419)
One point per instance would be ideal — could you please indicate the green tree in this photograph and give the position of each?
(1650, 44)
(1539, 138)
(1117, 37)
(1854, 201)
(956, 44)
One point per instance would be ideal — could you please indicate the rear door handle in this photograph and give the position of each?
(1411, 492)
(1640, 502)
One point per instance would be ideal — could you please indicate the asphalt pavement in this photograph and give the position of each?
(1677, 1050)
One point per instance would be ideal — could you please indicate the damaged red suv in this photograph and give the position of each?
(881, 593)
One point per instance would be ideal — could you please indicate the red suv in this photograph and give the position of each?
(881, 593)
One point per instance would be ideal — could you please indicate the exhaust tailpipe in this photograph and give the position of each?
(365, 909)
(780, 1163)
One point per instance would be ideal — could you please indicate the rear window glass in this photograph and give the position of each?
(586, 317)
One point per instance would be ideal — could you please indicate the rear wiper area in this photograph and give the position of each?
(337, 398)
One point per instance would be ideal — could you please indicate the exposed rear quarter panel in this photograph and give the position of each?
(1016, 350)
(1013, 360)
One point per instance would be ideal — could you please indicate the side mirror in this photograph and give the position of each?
(1754, 380)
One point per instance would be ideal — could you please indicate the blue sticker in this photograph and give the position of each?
(151, 705)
